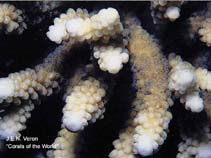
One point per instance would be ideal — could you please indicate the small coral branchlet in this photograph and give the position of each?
(184, 81)
(200, 24)
(123, 147)
(162, 11)
(182, 75)
(64, 145)
(111, 58)
(46, 6)
(198, 146)
(11, 19)
(15, 121)
(203, 78)
(80, 26)
(205, 31)
(84, 104)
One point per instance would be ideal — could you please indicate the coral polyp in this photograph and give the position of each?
(117, 79)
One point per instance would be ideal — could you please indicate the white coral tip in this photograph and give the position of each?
(194, 103)
(144, 145)
(7, 88)
(172, 13)
(204, 151)
(74, 122)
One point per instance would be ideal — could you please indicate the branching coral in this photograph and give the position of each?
(205, 31)
(71, 26)
(46, 6)
(151, 121)
(31, 83)
(200, 23)
(85, 103)
(87, 92)
(162, 10)
(198, 146)
(11, 19)
(64, 145)
(15, 121)
(187, 82)
(111, 58)
(26, 86)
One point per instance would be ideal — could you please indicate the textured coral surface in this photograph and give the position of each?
(85, 78)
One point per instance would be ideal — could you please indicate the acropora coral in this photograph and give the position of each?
(105, 79)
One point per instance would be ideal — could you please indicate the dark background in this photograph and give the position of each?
(28, 49)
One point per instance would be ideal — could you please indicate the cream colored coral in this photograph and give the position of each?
(80, 26)
(205, 31)
(111, 58)
(150, 118)
(85, 103)
(64, 145)
(162, 10)
(184, 81)
(11, 19)
(182, 75)
(196, 146)
(150, 73)
(15, 121)
(203, 78)
(123, 147)
(30, 83)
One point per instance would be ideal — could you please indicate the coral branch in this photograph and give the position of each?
(80, 26)
(162, 10)
(31, 83)
(198, 146)
(85, 103)
(11, 19)
(14, 121)
(151, 120)
(64, 145)
(111, 58)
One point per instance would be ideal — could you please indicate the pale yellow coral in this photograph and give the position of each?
(30, 83)
(197, 146)
(205, 31)
(85, 103)
(11, 19)
(162, 10)
(81, 26)
(150, 117)
(15, 121)
(64, 145)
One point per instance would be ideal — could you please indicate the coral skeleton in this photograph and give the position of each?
(111, 58)
(11, 19)
(64, 145)
(71, 26)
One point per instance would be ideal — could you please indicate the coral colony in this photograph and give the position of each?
(160, 79)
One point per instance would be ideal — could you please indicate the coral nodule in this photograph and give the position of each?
(115, 48)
